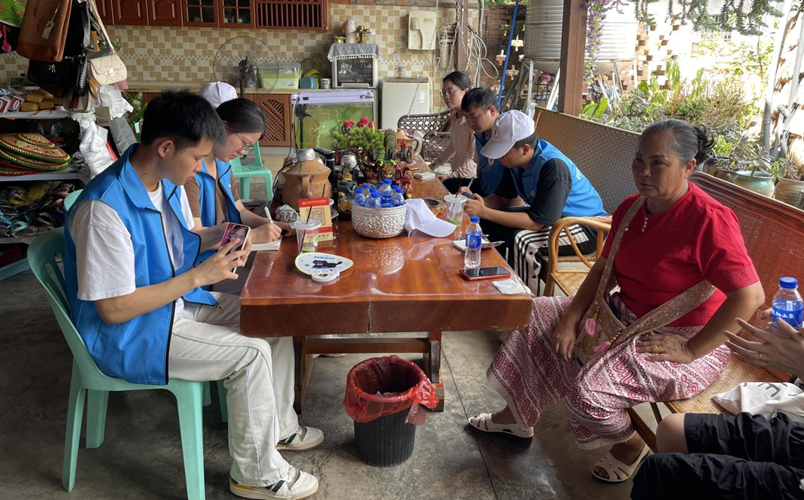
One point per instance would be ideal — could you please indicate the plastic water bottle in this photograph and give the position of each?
(387, 199)
(787, 303)
(385, 186)
(374, 200)
(474, 240)
(399, 197)
(360, 197)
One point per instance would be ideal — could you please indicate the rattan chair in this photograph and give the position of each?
(433, 126)
(604, 155)
(569, 280)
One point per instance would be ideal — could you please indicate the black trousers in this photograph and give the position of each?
(453, 184)
(730, 457)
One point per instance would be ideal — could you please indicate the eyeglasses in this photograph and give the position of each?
(246, 147)
(447, 93)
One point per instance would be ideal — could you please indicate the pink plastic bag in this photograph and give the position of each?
(389, 374)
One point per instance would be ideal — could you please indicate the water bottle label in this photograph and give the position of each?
(790, 311)
(474, 239)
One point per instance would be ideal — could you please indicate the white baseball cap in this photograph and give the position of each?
(217, 93)
(511, 126)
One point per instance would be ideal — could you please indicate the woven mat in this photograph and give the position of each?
(15, 160)
(33, 146)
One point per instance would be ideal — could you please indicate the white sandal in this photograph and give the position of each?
(484, 423)
(619, 472)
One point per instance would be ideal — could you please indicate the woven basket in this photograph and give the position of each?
(378, 222)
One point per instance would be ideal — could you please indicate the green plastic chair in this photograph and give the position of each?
(69, 200)
(256, 169)
(89, 383)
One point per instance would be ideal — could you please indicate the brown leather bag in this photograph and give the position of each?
(43, 34)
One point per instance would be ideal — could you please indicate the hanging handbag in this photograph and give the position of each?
(106, 68)
(43, 34)
(601, 328)
(61, 76)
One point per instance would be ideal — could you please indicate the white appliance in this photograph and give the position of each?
(397, 95)
(421, 30)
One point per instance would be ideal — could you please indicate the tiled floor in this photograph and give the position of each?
(141, 457)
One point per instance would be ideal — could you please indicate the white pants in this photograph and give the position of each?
(207, 345)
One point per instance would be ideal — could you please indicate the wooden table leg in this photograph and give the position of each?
(303, 369)
(432, 366)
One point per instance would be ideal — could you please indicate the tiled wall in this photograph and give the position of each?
(170, 56)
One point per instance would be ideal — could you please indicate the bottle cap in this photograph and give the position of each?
(375, 194)
(373, 191)
(474, 219)
(386, 181)
(789, 283)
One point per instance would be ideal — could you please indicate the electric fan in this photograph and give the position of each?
(246, 62)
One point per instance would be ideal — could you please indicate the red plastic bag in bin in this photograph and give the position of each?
(369, 379)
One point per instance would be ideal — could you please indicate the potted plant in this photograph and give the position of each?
(789, 186)
(753, 163)
(365, 142)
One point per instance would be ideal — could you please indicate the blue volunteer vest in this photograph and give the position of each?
(489, 173)
(137, 350)
(583, 200)
(206, 197)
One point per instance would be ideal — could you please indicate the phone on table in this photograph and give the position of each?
(485, 273)
(235, 232)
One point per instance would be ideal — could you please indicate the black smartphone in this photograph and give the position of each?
(471, 196)
(485, 273)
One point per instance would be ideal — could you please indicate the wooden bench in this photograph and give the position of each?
(774, 236)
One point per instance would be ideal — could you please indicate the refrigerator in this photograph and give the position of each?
(402, 96)
(316, 114)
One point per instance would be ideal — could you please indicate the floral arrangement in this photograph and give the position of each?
(596, 14)
(362, 138)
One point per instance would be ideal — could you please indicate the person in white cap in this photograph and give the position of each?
(217, 93)
(549, 183)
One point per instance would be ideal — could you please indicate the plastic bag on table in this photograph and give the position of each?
(383, 375)
(93, 143)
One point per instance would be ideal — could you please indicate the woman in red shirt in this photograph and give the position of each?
(673, 241)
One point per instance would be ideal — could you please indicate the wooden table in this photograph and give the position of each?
(402, 284)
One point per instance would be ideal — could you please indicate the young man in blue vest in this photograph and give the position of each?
(479, 106)
(548, 182)
(134, 285)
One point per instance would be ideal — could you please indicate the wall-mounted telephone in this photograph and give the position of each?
(421, 30)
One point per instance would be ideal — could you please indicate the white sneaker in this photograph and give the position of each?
(298, 485)
(306, 438)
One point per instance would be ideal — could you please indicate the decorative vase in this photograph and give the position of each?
(726, 175)
(758, 182)
(790, 191)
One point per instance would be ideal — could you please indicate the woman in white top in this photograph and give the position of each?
(460, 152)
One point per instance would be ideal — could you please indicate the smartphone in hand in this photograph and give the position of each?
(235, 232)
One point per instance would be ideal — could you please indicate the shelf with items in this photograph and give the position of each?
(36, 115)
(70, 174)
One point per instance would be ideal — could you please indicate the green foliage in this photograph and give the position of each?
(722, 147)
(734, 15)
(595, 109)
(360, 137)
(719, 103)
(784, 168)
(135, 117)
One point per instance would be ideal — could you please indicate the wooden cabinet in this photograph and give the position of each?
(272, 14)
(131, 12)
(105, 11)
(201, 13)
(278, 131)
(164, 13)
(237, 13)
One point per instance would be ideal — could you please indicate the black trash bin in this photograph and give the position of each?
(381, 395)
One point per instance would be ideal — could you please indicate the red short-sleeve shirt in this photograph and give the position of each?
(697, 239)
